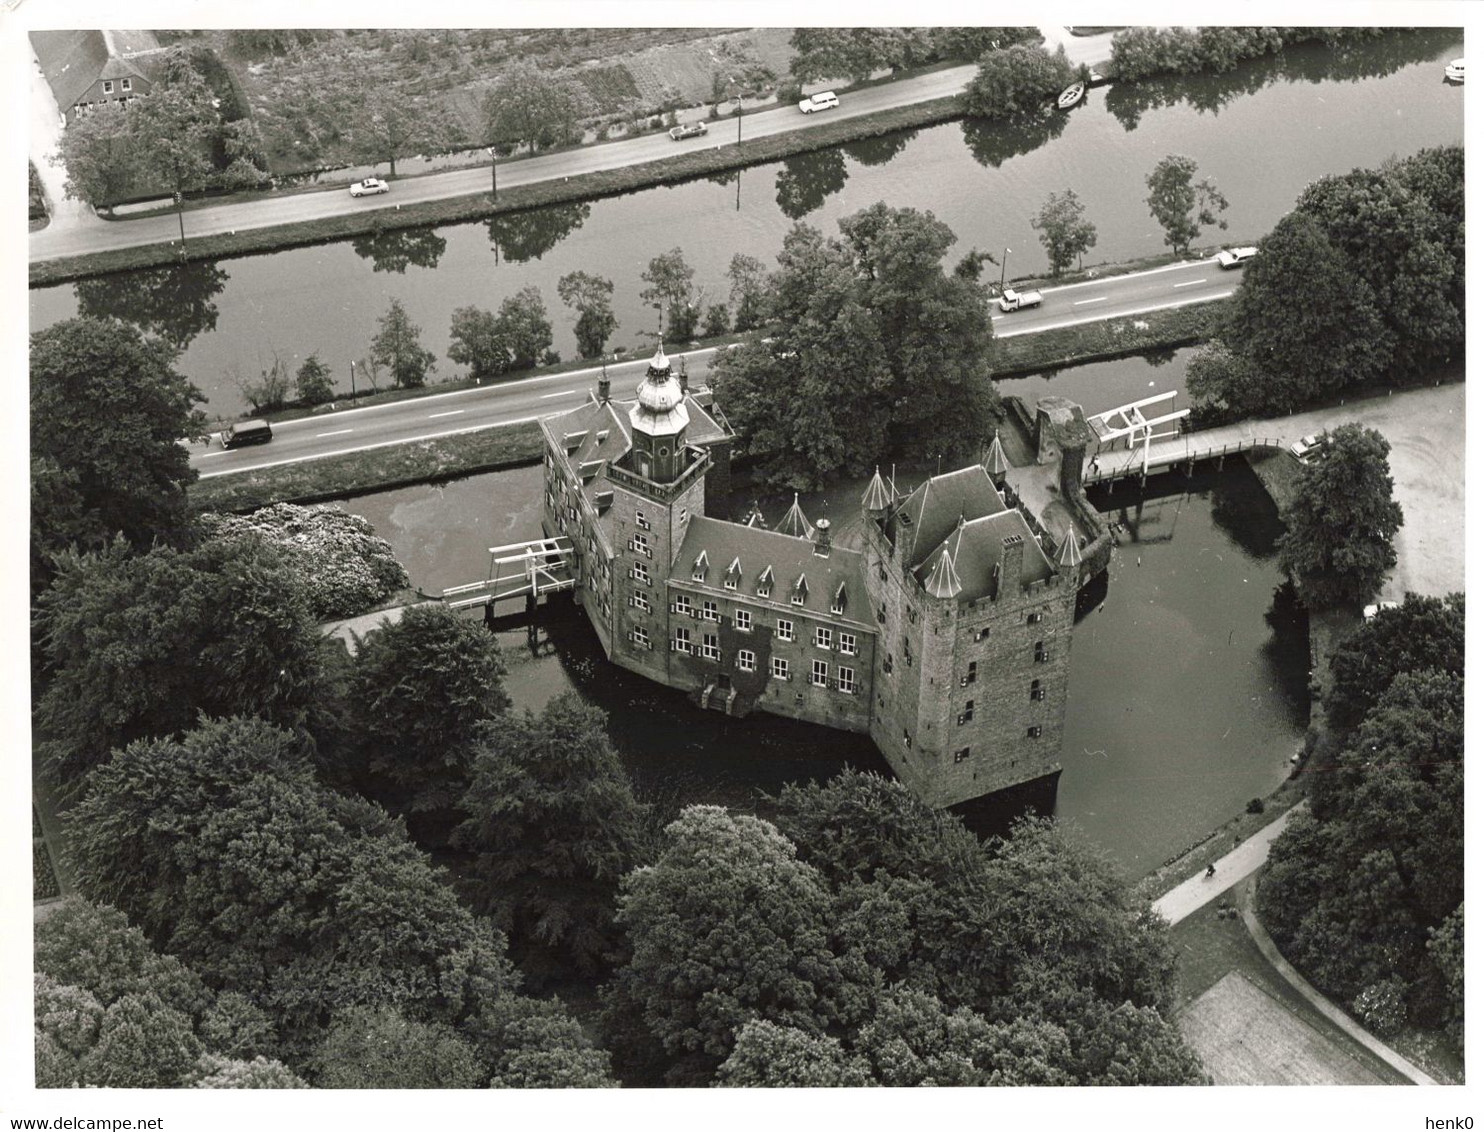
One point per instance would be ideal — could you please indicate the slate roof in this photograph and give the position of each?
(969, 555)
(756, 550)
(930, 514)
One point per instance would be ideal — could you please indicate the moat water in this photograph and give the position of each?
(1188, 673)
(1263, 131)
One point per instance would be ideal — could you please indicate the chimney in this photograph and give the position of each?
(822, 537)
(605, 387)
(1012, 560)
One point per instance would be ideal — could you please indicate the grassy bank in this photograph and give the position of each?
(456, 210)
(1100, 341)
(359, 473)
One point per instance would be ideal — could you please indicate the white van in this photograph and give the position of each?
(824, 100)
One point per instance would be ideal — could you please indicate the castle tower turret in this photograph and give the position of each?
(877, 499)
(794, 523)
(995, 462)
(659, 419)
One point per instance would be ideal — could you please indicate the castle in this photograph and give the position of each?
(946, 636)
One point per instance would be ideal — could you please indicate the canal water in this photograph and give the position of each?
(1263, 132)
(1189, 670)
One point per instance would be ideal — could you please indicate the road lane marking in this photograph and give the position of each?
(1114, 314)
(450, 413)
(337, 432)
(1084, 302)
(1189, 283)
(1104, 279)
(563, 393)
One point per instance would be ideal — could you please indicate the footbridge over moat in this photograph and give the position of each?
(530, 570)
(1131, 442)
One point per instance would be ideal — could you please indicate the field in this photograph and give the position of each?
(1245, 1037)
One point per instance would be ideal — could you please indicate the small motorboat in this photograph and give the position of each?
(1071, 96)
(1453, 72)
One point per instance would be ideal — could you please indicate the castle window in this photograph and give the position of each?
(971, 675)
(912, 615)
(819, 673)
(640, 573)
(639, 601)
(681, 643)
(847, 680)
(847, 643)
(709, 648)
(800, 592)
(1033, 732)
(961, 754)
(907, 651)
(744, 620)
(733, 574)
(881, 614)
(683, 606)
(881, 571)
(886, 666)
(823, 638)
(640, 520)
(639, 636)
(765, 582)
(1033, 618)
(785, 629)
(1037, 692)
(979, 636)
(684, 516)
(907, 738)
(639, 544)
(1042, 656)
(780, 668)
(967, 715)
(708, 611)
(746, 660)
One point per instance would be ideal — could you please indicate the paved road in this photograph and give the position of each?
(1178, 285)
(1199, 890)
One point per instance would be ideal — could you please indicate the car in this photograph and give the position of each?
(824, 100)
(247, 432)
(1370, 611)
(1453, 72)
(1306, 448)
(369, 187)
(694, 130)
(1234, 257)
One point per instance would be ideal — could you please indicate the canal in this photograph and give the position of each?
(1189, 668)
(1263, 132)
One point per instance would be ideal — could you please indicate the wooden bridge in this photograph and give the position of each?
(1128, 444)
(523, 569)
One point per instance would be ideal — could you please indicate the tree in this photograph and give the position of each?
(1017, 80)
(173, 130)
(749, 279)
(971, 43)
(269, 391)
(142, 1044)
(1064, 233)
(474, 340)
(771, 1056)
(670, 287)
(67, 1019)
(315, 384)
(1181, 204)
(528, 1043)
(854, 53)
(1337, 546)
(524, 327)
(213, 1071)
(717, 322)
(1421, 633)
(592, 298)
(388, 123)
(377, 1048)
(1222, 382)
(396, 345)
(343, 566)
(108, 409)
(1301, 350)
(531, 107)
(424, 687)
(553, 825)
(727, 926)
(100, 157)
(138, 645)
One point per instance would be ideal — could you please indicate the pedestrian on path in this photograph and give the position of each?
(1210, 870)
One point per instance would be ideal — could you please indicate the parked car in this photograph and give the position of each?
(694, 130)
(1307, 448)
(1453, 72)
(1013, 300)
(1371, 610)
(1234, 257)
(246, 432)
(824, 100)
(369, 187)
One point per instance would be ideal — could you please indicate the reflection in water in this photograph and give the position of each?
(174, 302)
(878, 150)
(400, 248)
(524, 236)
(993, 143)
(1308, 63)
(806, 180)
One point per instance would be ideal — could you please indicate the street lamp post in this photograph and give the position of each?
(1003, 262)
(352, 382)
(494, 175)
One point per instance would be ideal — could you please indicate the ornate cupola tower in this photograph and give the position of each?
(659, 419)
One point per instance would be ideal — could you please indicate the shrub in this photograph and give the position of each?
(1382, 1006)
(1256, 806)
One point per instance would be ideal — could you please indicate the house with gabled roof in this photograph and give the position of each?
(946, 637)
(85, 72)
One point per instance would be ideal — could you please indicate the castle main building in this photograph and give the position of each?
(946, 636)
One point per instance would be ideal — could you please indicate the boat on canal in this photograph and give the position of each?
(1071, 96)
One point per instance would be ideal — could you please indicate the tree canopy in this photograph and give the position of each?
(591, 296)
(1018, 81)
(1421, 633)
(1181, 204)
(397, 346)
(530, 107)
(1064, 233)
(1341, 522)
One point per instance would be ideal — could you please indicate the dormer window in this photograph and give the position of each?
(765, 582)
(837, 605)
(699, 567)
(733, 574)
(800, 591)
